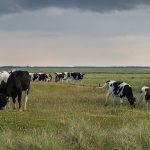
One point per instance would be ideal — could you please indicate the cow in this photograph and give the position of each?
(66, 75)
(41, 77)
(17, 82)
(49, 79)
(45, 77)
(145, 96)
(120, 89)
(69, 76)
(59, 76)
(77, 75)
(62, 76)
(36, 76)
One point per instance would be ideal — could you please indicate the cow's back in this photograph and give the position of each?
(18, 80)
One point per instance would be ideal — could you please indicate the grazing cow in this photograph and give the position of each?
(17, 82)
(66, 76)
(145, 95)
(45, 77)
(36, 77)
(40, 77)
(120, 89)
(62, 76)
(49, 77)
(76, 76)
(59, 76)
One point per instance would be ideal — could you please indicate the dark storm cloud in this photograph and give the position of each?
(10, 6)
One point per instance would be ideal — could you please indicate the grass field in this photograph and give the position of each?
(73, 117)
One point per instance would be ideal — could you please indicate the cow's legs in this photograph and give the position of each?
(73, 81)
(113, 101)
(141, 98)
(121, 102)
(8, 103)
(146, 103)
(19, 100)
(67, 80)
(26, 99)
(14, 101)
(107, 97)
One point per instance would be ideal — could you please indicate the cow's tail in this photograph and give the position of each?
(101, 87)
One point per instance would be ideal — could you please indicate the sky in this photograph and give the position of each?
(75, 32)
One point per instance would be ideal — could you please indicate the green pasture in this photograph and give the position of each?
(71, 116)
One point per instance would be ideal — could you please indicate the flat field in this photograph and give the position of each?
(66, 116)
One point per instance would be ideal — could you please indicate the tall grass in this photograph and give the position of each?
(70, 117)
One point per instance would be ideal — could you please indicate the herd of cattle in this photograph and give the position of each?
(13, 83)
(59, 76)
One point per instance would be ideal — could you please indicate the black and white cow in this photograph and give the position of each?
(40, 77)
(62, 76)
(49, 77)
(17, 82)
(34, 76)
(120, 89)
(145, 96)
(77, 75)
(45, 77)
(69, 76)
(59, 76)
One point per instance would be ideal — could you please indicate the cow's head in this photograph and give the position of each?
(82, 75)
(133, 102)
(3, 100)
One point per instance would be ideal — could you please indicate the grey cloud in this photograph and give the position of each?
(10, 6)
